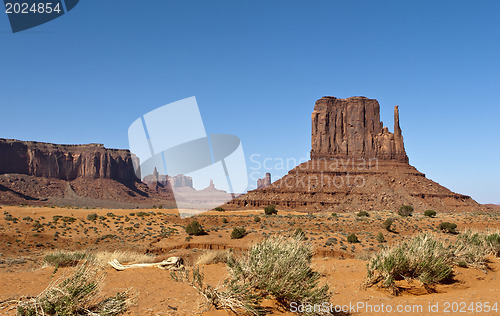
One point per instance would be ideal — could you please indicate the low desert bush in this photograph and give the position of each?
(270, 210)
(280, 267)
(219, 209)
(380, 238)
(256, 219)
(448, 227)
(471, 249)
(363, 214)
(92, 217)
(430, 213)
(423, 258)
(388, 224)
(78, 294)
(195, 228)
(277, 267)
(352, 238)
(406, 210)
(225, 220)
(299, 233)
(238, 232)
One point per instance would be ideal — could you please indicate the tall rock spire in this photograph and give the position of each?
(398, 136)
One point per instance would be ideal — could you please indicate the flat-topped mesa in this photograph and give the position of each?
(65, 162)
(351, 128)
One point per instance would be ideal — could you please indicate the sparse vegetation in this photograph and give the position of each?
(92, 217)
(270, 210)
(256, 219)
(352, 238)
(448, 227)
(61, 259)
(471, 249)
(225, 220)
(77, 295)
(423, 258)
(430, 213)
(299, 233)
(363, 214)
(277, 267)
(406, 210)
(212, 257)
(219, 209)
(238, 232)
(388, 224)
(195, 228)
(280, 267)
(380, 238)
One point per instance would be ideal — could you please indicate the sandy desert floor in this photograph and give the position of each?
(27, 234)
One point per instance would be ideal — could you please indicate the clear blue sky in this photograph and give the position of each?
(256, 69)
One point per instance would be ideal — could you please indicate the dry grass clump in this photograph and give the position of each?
(78, 294)
(472, 249)
(423, 258)
(277, 267)
(62, 258)
(212, 257)
(280, 267)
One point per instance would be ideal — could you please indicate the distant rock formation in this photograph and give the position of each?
(356, 164)
(343, 128)
(65, 162)
(178, 181)
(264, 182)
(79, 175)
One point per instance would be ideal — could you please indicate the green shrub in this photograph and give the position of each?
(92, 217)
(423, 258)
(279, 267)
(388, 224)
(352, 238)
(194, 228)
(299, 233)
(110, 214)
(68, 219)
(363, 214)
(219, 209)
(142, 214)
(270, 210)
(225, 220)
(448, 227)
(55, 218)
(334, 214)
(430, 213)
(380, 238)
(256, 219)
(406, 210)
(238, 232)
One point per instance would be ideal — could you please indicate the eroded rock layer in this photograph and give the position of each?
(81, 175)
(343, 128)
(356, 164)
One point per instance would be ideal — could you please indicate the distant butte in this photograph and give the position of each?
(356, 164)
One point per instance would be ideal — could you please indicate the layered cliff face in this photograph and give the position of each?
(66, 162)
(79, 175)
(343, 128)
(356, 164)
